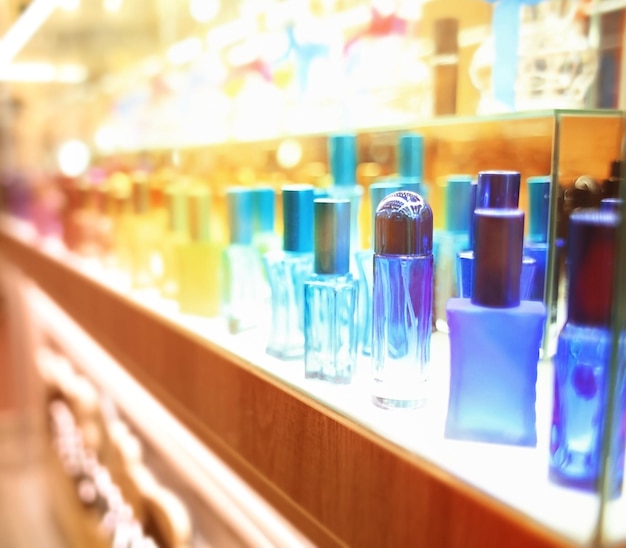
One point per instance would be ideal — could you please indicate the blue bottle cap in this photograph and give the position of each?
(498, 257)
(332, 236)
(591, 245)
(264, 204)
(538, 207)
(404, 225)
(240, 210)
(298, 218)
(458, 194)
(411, 156)
(611, 204)
(498, 189)
(342, 157)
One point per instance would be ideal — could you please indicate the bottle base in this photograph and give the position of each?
(390, 403)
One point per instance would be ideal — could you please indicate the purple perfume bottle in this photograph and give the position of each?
(287, 271)
(494, 190)
(330, 297)
(494, 340)
(583, 356)
(402, 300)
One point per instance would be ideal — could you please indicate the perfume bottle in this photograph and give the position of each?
(175, 235)
(264, 237)
(342, 158)
(199, 266)
(536, 245)
(287, 271)
(493, 370)
(449, 242)
(583, 356)
(365, 264)
(411, 163)
(495, 189)
(143, 235)
(402, 300)
(330, 297)
(242, 265)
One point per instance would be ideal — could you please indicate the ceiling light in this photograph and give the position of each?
(73, 158)
(24, 28)
(204, 11)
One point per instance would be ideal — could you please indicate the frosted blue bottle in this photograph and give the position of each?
(536, 245)
(365, 264)
(330, 297)
(494, 340)
(402, 301)
(287, 271)
(342, 159)
(243, 274)
(581, 363)
(411, 163)
(451, 241)
(495, 189)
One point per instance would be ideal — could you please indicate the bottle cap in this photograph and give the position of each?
(498, 189)
(342, 159)
(458, 194)
(404, 225)
(141, 194)
(176, 208)
(591, 244)
(298, 218)
(611, 204)
(332, 236)
(498, 257)
(411, 156)
(240, 211)
(538, 207)
(198, 207)
(264, 200)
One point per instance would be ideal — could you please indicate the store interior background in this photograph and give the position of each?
(141, 83)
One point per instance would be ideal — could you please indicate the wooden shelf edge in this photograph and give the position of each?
(336, 481)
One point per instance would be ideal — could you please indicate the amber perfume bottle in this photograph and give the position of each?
(176, 234)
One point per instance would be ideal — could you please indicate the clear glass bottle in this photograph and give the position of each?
(330, 297)
(199, 258)
(495, 340)
(243, 273)
(449, 242)
(402, 300)
(582, 359)
(365, 265)
(175, 235)
(287, 271)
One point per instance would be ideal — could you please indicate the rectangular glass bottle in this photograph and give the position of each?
(330, 298)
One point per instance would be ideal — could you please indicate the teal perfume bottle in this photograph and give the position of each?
(411, 163)
(330, 297)
(287, 270)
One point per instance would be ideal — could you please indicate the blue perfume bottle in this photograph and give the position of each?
(536, 245)
(287, 271)
(494, 340)
(402, 300)
(495, 189)
(582, 359)
(264, 237)
(330, 297)
(243, 274)
(342, 158)
(365, 264)
(611, 204)
(451, 241)
(411, 163)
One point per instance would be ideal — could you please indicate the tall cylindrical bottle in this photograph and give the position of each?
(402, 300)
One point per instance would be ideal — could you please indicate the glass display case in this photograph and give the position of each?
(519, 427)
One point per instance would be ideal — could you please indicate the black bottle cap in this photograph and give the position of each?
(403, 225)
(592, 240)
(498, 189)
(498, 257)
